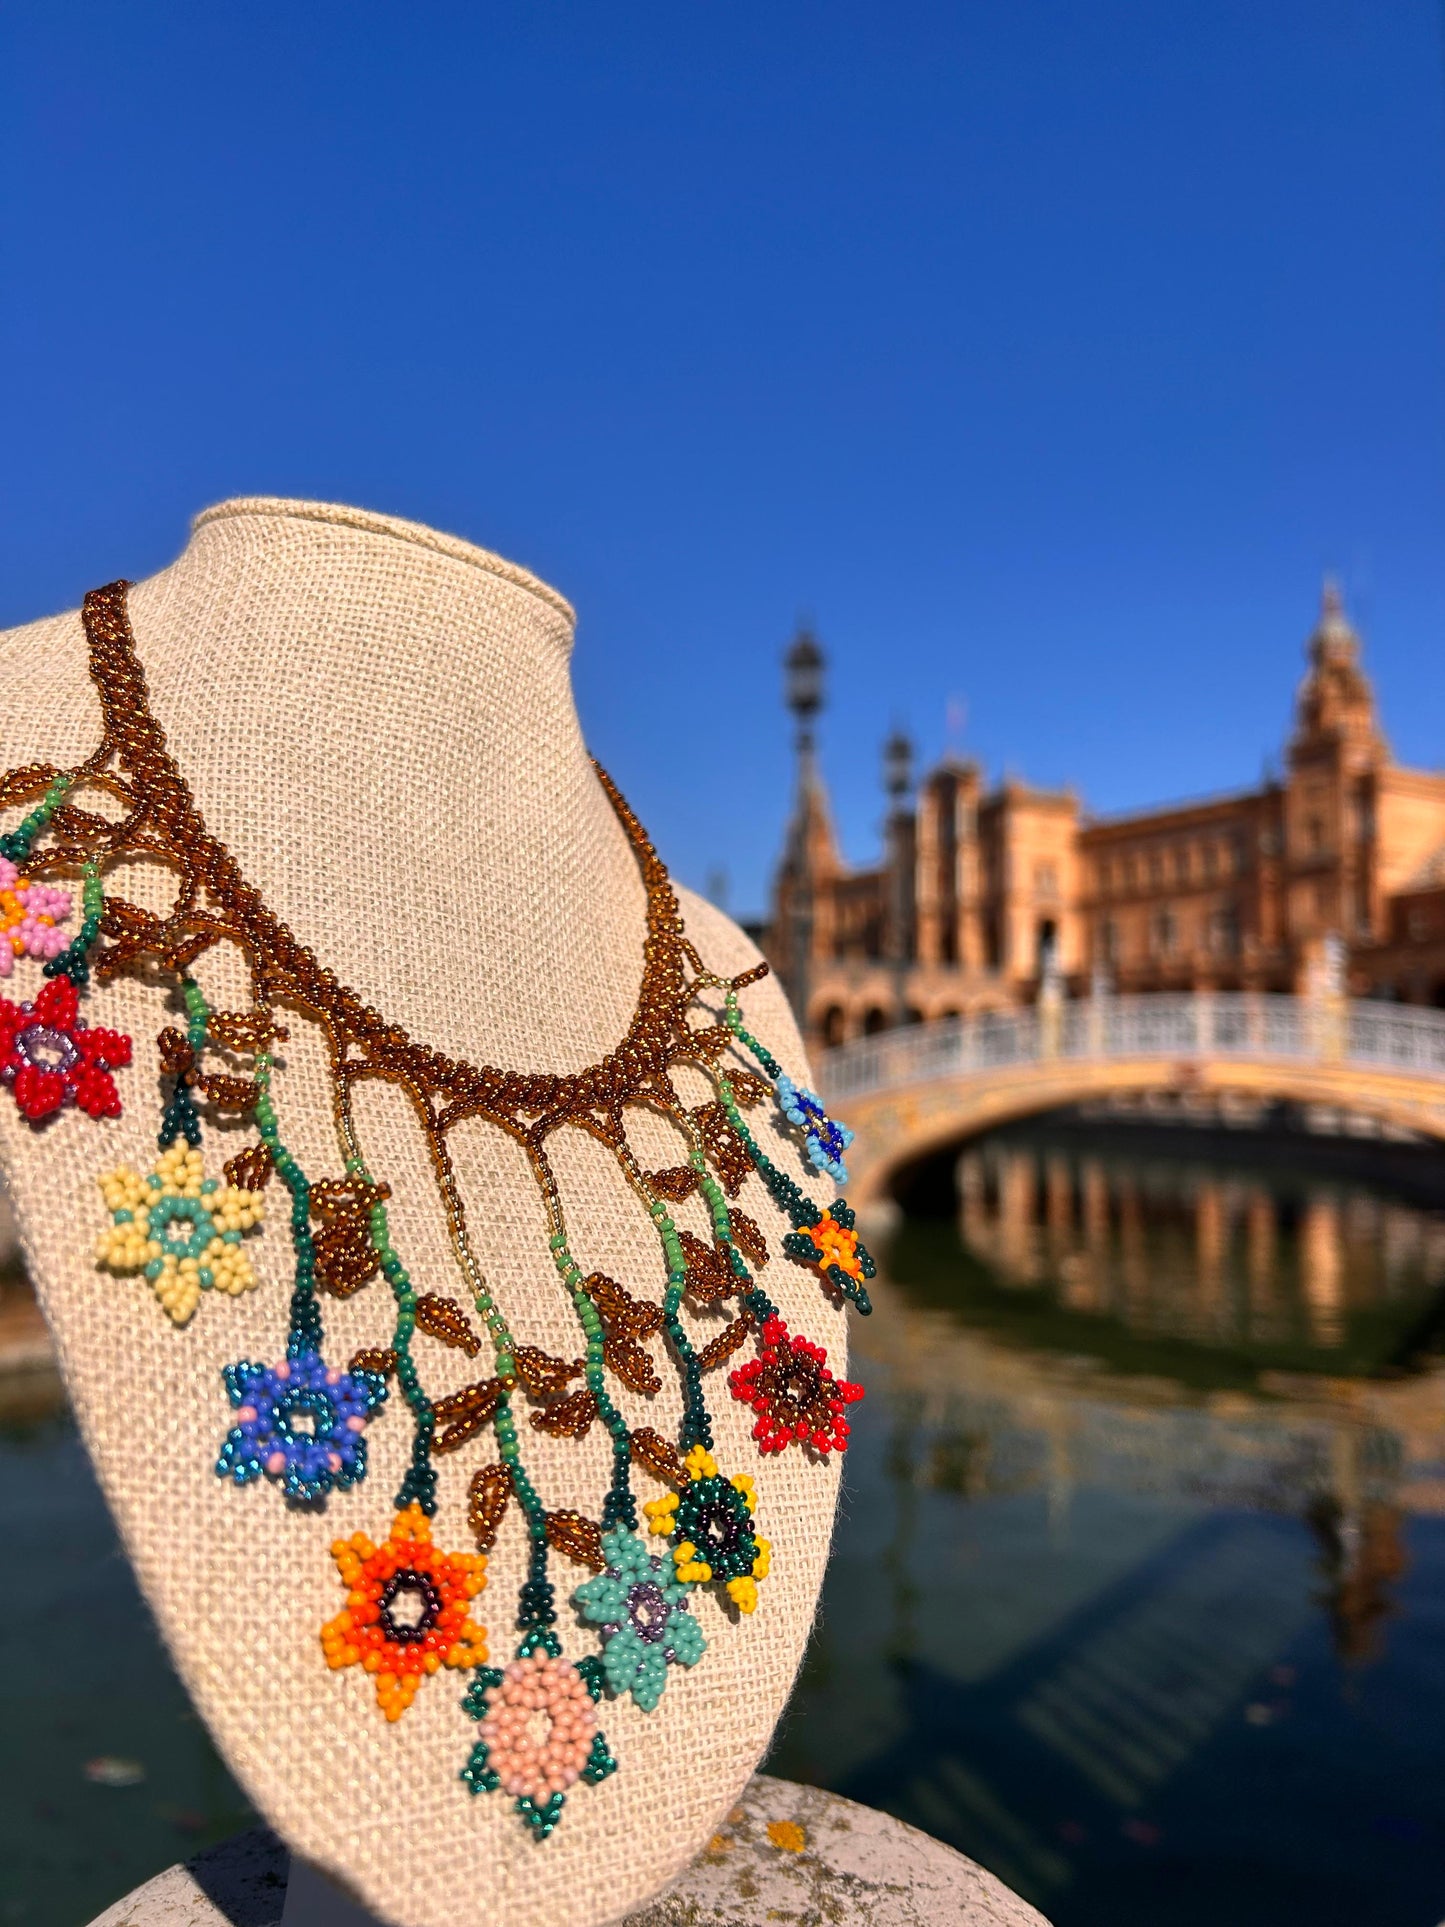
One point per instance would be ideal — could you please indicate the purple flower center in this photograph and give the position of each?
(409, 1628)
(46, 1048)
(648, 1611)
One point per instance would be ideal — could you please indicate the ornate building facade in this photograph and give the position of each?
(983, 894)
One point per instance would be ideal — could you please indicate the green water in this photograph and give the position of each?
(1138, 1591)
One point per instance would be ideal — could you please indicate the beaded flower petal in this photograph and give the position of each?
(301, 1422)
(793, 1393)
(49, 1056)
(824, 1140)
(179, 1227)
(641, 1607)
(710, 1525)
(406, 1612)
(30, 915)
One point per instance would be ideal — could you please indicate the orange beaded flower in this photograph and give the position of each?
(836, 1245)
(406, 1609)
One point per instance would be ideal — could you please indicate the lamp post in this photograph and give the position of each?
(803, 691)
(898, 781)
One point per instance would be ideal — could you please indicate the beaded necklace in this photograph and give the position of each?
(301, 1422)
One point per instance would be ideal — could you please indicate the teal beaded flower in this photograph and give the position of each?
(642, 1610)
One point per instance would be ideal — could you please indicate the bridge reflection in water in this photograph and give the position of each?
(1140, 1577)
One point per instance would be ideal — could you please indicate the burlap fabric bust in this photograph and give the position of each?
(378, 721)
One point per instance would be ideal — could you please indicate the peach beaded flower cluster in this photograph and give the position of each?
(539, 1726)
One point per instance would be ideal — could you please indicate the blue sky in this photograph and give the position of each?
(1045, 354)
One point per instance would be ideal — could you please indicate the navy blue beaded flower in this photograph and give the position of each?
(300, 1422)
(824, 1140)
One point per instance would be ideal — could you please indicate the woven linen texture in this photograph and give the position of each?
(379, 723)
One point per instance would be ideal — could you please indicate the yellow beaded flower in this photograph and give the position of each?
(710, 1525)
(181, 1228)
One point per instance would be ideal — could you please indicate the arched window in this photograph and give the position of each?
(834, 1025)
(874, 1021)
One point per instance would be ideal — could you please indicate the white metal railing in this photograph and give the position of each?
(1204, 1024)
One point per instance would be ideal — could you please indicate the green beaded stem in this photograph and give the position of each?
(695, 1427)
(16, 844)
(536, 1602)
(305, 1334)
(620, 1506)
(419, 1481)
(74, 960)
(180, 1118)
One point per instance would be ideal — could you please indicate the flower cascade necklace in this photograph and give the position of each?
(300, 1422)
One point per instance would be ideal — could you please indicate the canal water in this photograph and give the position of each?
(1138, 1591)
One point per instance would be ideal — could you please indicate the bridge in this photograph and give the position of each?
(917, 1090)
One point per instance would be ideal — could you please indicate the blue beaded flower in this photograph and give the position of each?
(300, 1422)
(642, 1610)
(824, 1140)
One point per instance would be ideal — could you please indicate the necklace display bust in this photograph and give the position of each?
(376, 722)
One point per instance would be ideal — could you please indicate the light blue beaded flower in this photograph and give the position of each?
(824, 1140)
(642, 1610)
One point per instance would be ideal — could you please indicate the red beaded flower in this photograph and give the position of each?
(49, 1057)
(794, 1394)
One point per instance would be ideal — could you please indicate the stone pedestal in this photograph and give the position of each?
(785, 1853)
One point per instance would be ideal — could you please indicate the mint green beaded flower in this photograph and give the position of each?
(642, 1610)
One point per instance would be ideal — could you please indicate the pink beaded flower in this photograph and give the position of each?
(30, 915)
(49, 1056)
(539, 1692)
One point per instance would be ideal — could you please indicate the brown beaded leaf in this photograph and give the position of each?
(724, 1345)
(177, 1057)
(464, 1413)
(487, 1498)
(182, 948)
(244, 1030)
(676, 1183)
(444, 1318)
(729, 1156)
(345, 1256)
(250, 1170)
(230, 1093)
(630, 1362)
(579, 1537)
(748, 1088)
(707, 1043)
(709, 1274)
(543, 1376)
(374, 1358)
(661, 1458)
(748, 1238)
(570, 1419)
(137, 935)
(619, 1310)
(334, 1198)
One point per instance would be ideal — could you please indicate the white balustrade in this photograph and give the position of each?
(1205, 1024)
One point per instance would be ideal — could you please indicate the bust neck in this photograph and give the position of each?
(355, 700)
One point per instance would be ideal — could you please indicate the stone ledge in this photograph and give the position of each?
(785, 1852)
